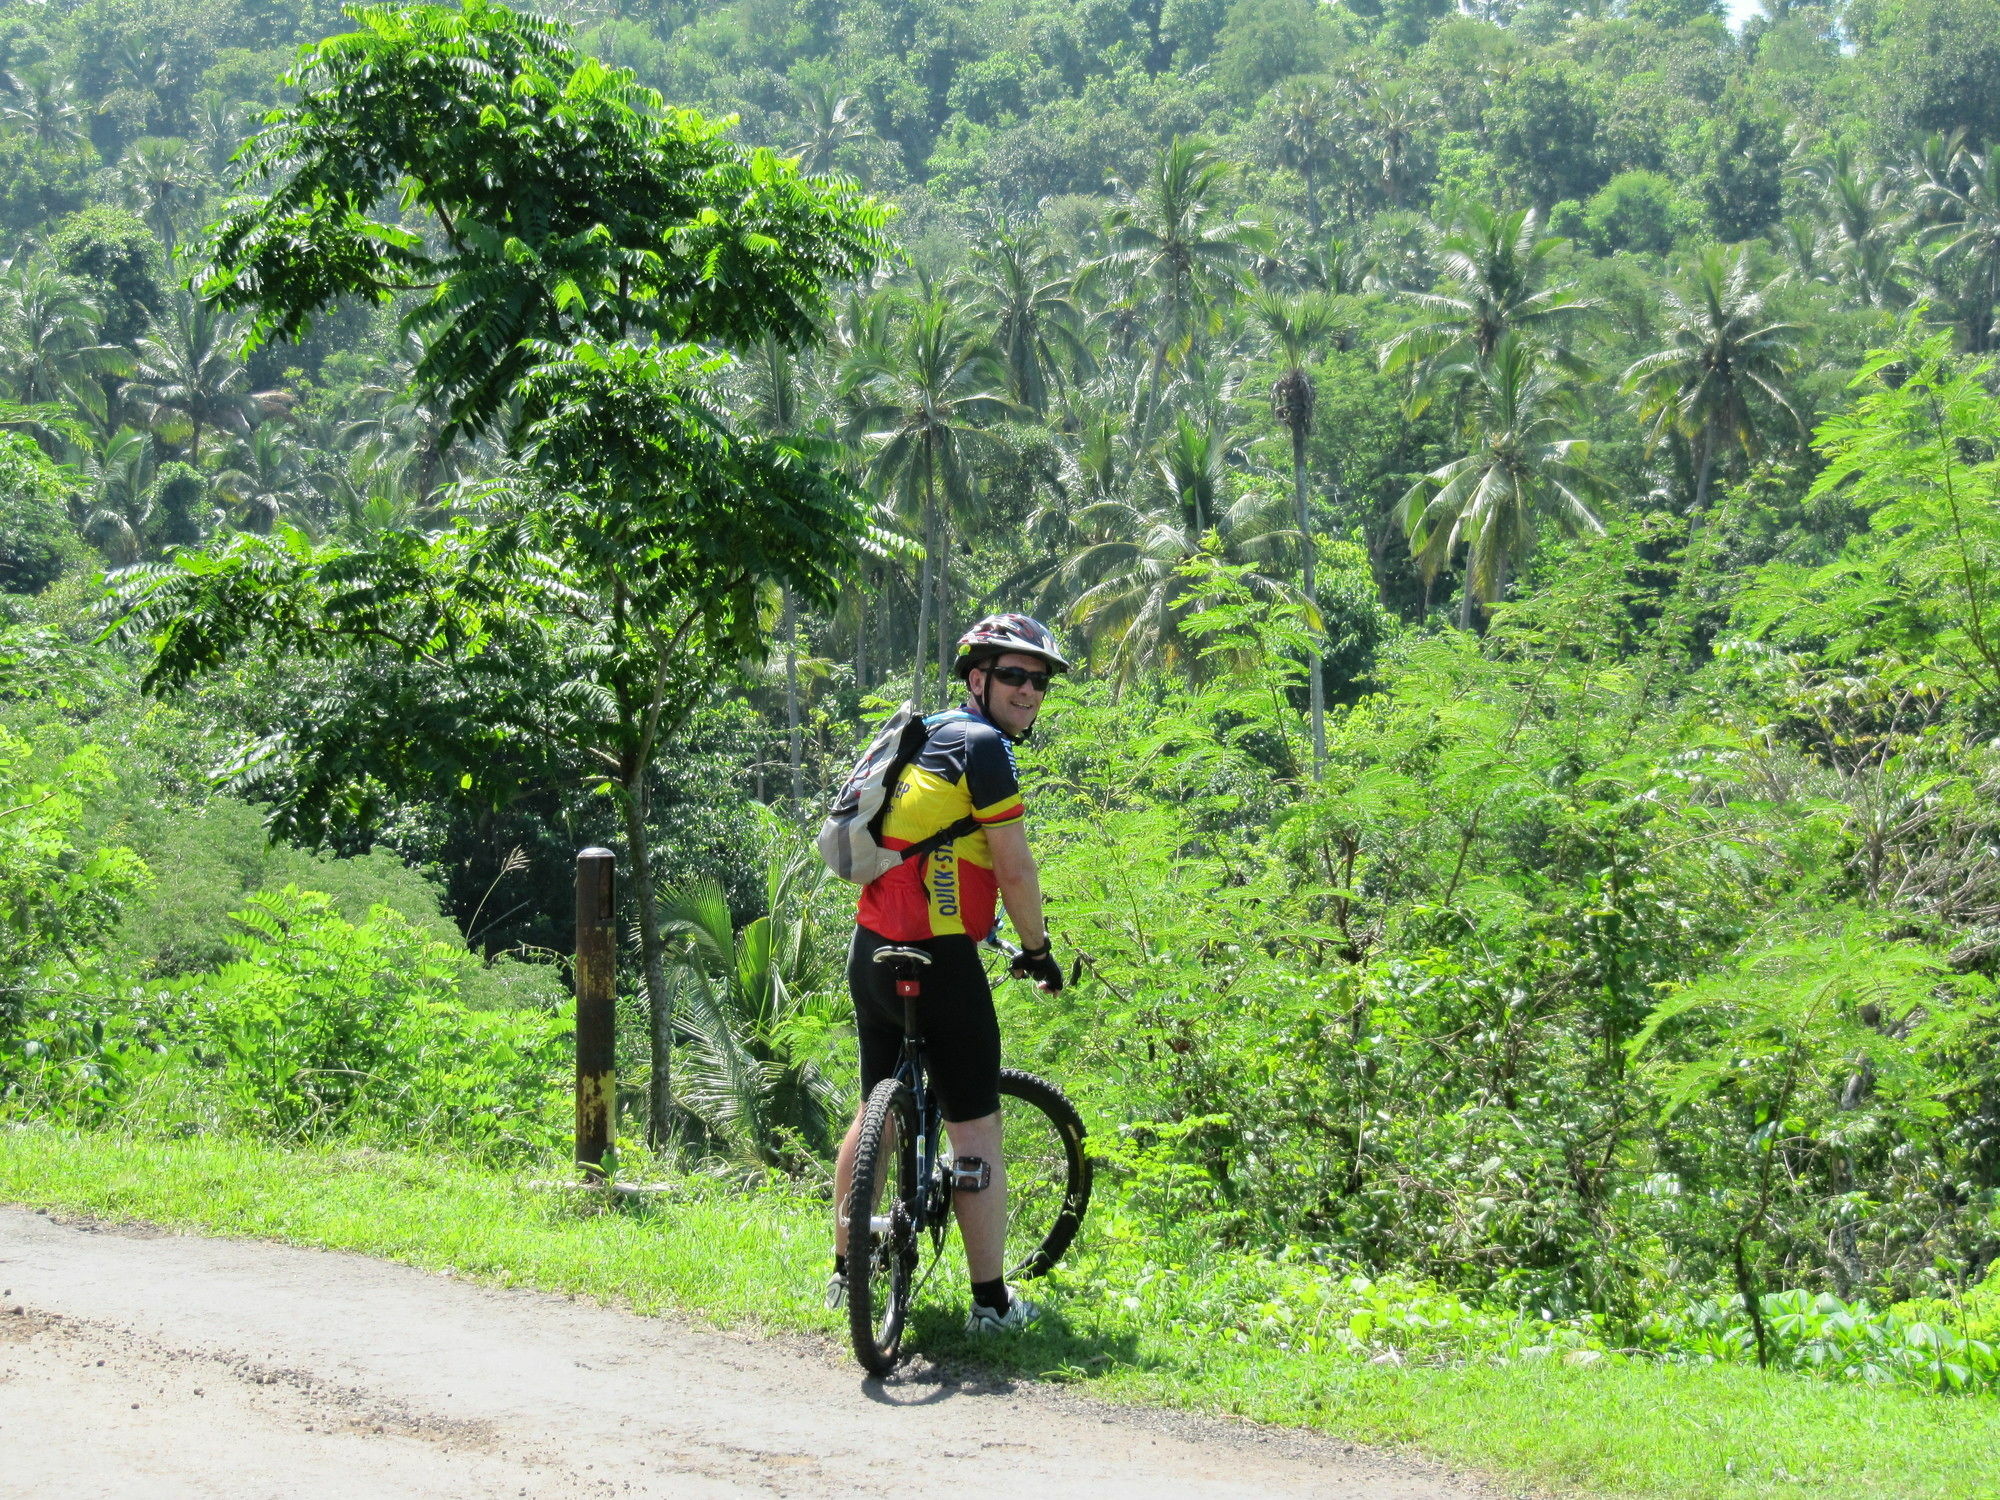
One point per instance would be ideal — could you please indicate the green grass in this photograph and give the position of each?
(1613, 1428)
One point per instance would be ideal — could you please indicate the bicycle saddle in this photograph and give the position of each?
(892, 955)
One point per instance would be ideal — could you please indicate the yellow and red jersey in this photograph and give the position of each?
(966, 769)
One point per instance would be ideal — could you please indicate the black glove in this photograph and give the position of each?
(1040, 965)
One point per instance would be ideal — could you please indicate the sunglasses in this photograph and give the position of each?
(1021, 677)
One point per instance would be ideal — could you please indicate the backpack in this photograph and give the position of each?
(850, 840)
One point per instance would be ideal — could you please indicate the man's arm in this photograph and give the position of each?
(1020, 883)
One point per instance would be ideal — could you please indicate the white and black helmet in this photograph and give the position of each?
(996, 635)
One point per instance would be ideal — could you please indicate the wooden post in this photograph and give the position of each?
(596, 987)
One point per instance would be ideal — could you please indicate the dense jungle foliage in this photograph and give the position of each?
(1524, 478)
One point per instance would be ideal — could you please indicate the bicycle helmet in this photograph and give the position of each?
(996, 635)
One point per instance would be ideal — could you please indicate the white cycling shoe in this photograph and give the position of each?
(1019, 1314)
(836, 1291)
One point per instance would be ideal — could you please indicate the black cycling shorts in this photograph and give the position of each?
(955, 1010)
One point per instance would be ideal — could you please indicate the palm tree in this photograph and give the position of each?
(1020, 287)
(750, 1000)
(44, 108)
(1192, 472)
(1868, 225)
(1520, 469)
(220, 127)
(1391, 116)
(397, 418)
(1306, 117)
(1173, 231)
(832, 122)
(188, 370)
(1297, 325)
(120, 504)
(48, 334)
(1721, 353)
(265, 472)
(158, 174)
(1966, 202)
(918, 399)
(1128, 581)
(1494, 265)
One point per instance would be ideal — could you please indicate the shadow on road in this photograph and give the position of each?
(942, 1361)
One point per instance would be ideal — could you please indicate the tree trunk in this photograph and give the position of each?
(924, 598)
(862, 622)
(1703, 468)
(942, 580)
(653, 961)
(796, 741)
(1317, 687)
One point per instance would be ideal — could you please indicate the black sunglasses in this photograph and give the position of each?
(1021, 676)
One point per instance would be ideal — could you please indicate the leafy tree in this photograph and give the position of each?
(1265, 41)
(177, 508)
(1936, 66)
(37, 539)
(1742, 177)
(588, 244)
(1544, 128)
(1917, 595)
(117, 259)
(1637, 211)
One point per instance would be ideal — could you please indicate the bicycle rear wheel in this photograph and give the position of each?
(1048, 1173)
(882, 1226)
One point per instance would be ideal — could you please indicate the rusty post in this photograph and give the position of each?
(596, 985)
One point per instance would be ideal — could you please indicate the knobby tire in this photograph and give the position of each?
(880, 1262)
(1048, 1172)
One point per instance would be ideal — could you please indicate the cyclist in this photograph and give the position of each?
(943, 903)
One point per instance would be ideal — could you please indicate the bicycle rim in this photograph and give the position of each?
(1048, 1172)
(881, 1227)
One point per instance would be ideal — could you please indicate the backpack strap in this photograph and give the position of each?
(954, 831)
(938, 840)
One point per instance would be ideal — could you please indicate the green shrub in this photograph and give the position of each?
(319, 1027)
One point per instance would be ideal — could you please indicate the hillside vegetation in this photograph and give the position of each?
(1522, 482)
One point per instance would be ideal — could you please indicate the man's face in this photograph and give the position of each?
(1012, 708)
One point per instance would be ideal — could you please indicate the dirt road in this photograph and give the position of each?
(134, 1363)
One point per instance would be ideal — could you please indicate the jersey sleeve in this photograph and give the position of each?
(991, 781)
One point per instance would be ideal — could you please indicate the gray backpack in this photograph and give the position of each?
(850, 840)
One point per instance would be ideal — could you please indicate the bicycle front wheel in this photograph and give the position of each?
(882, 1226)
(1048, 1172)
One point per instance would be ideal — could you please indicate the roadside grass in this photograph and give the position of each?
(1616, 1427)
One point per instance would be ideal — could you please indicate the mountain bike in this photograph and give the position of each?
(904, 1171)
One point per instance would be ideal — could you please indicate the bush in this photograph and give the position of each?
(37, 538)
(320, 1026)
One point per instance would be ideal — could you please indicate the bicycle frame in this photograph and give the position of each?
(933, 1197)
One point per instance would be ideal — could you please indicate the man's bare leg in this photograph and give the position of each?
(982, 1216)
(843, 1180)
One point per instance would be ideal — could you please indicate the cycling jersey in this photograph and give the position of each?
(966, 769)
